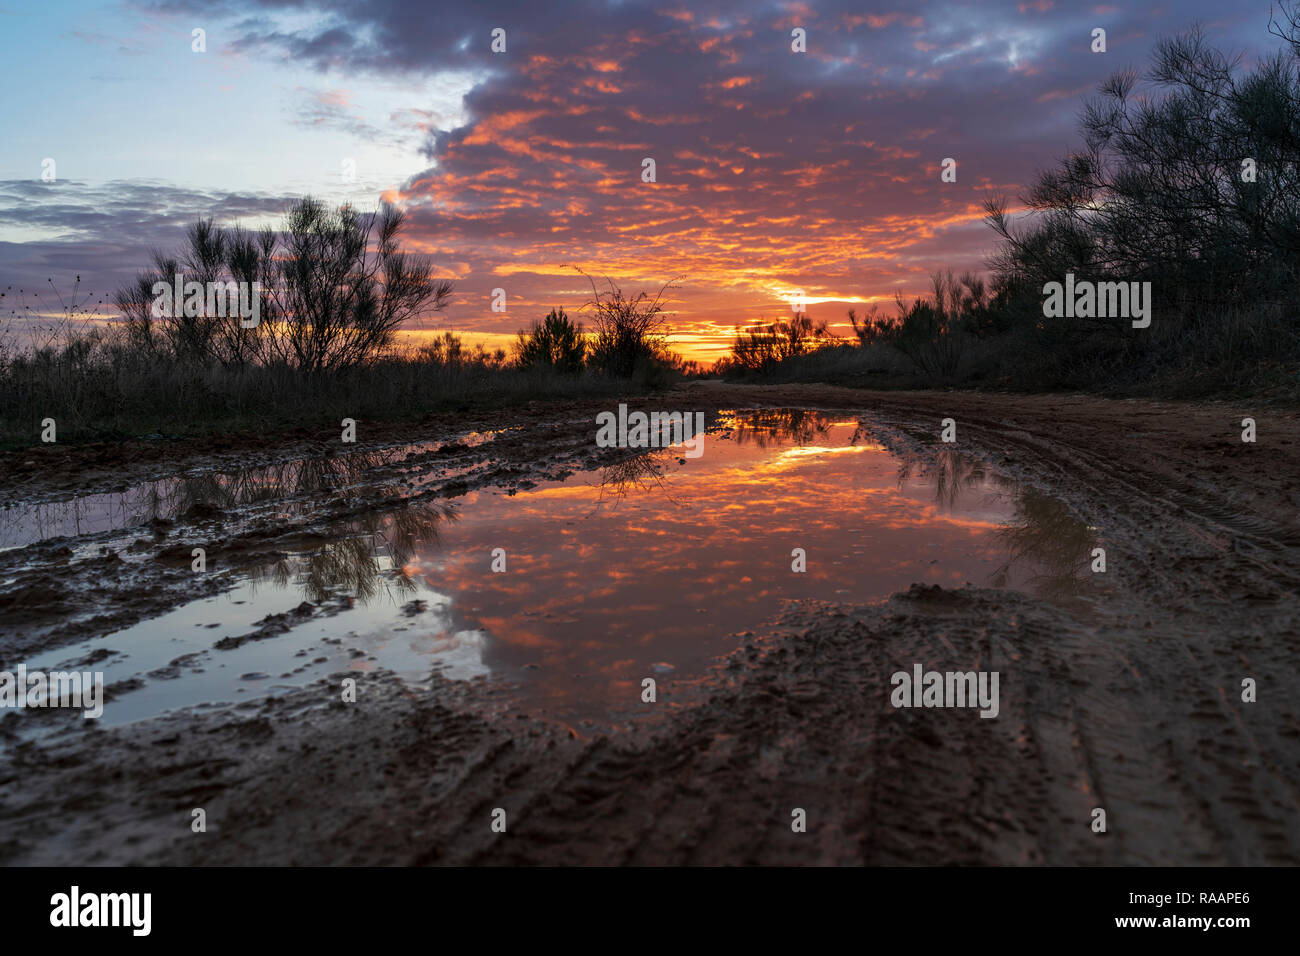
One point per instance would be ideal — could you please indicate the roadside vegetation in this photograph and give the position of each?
(1187, 177)
(335, 289)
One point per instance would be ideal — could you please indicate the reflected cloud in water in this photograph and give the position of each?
(640, 568)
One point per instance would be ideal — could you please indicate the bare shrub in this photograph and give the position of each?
(335, 289)
(758, 351)
(629, 333)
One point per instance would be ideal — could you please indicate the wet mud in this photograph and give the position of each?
(1120, 691)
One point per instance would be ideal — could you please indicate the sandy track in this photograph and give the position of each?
(1124, 697)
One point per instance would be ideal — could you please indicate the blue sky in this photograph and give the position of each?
(115, 92)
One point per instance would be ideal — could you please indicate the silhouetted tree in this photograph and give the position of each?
(335, 288)
(554, 343)
(1190, 180)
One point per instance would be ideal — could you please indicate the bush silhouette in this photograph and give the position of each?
(335, 289)
(555, 343)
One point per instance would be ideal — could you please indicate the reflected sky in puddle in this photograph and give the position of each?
(642, 569)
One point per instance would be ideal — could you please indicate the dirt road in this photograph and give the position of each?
(1126, 697)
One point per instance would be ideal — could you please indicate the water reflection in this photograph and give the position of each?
(1044, 533)
(373, 556)
(199, 497)
(642, 473)
(952, 473)
(771, 427)
(595, 598)
(1041, 534)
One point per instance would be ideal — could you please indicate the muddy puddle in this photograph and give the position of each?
(290, 486)
(571, 591)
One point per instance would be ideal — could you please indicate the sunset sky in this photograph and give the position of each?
(776, 171)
